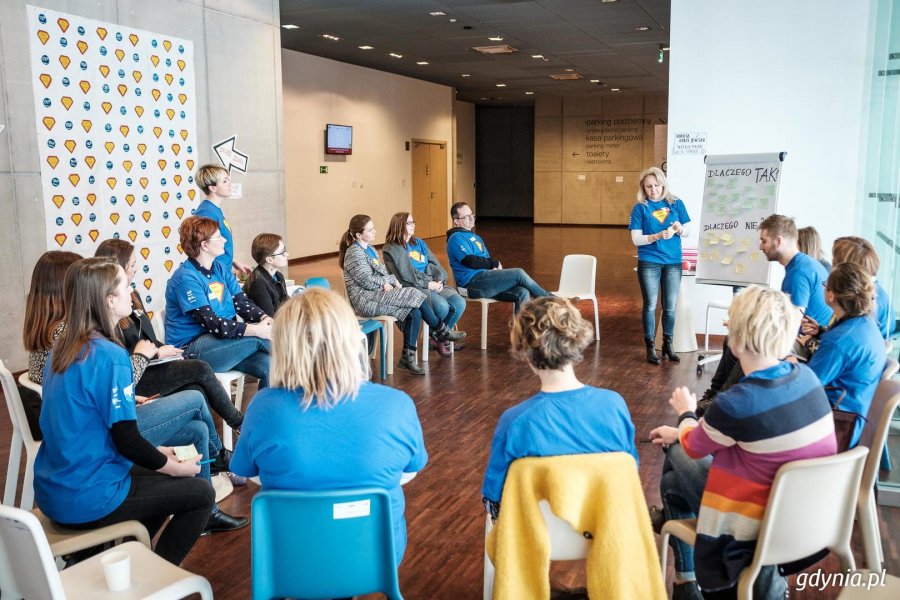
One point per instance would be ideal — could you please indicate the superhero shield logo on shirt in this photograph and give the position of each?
(215, 290)
(661, 214)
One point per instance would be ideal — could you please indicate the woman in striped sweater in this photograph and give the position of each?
(777, 413)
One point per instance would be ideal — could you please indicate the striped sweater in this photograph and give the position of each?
(771, 417)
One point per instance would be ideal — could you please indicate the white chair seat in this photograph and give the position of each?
(578, 279)
(151, 578)
(66, 541)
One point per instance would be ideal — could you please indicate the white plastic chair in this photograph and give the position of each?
(28, 569)
(578, 279)
(387, 323)
(705, 358)
(565, 544)
(874, 436)
(225, 378)
(21, 437)
(811, 507)
(485, 302)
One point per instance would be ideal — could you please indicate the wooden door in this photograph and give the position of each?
(429, 189)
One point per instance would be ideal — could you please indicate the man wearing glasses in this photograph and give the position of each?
(475, 270)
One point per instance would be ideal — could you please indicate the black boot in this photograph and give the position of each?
(408, 361)
(668, 351)
(652, 358)
(221, 463)
(445, 334)
(705, 402)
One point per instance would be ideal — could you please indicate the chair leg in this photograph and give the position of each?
(424, 343)
(227, 439)
(381, 345)
(12, 469)
(596, 319)
(867, 517)
(484, 324)
(28, 485)
(663, 551)
(488, 565)
(389, 338)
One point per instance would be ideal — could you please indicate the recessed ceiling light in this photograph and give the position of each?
(465, 75)
(568, 70)
(422, 62)
(614, 89)
(395, 55)
(453, 20)
(595, 81)
(607, 1)
(289, 26)
(484, 98)
(333, 38)
(496, 38)
(537, 56)
(365, 47)
(529, 93)
(501, 85)
(437, 13)
(642, 28)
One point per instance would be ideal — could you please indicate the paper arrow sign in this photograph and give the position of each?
(229, 157)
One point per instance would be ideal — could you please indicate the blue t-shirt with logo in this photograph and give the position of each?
(460, 245)
(211, 211)
(79, 475)
(192, 287)
(418, 254)
(371, 254)
(367, 442)
(884, 311)
(652, 218)
(803, 282)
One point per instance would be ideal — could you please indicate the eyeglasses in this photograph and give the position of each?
(282, 253)
(470, 217)
(215, 238)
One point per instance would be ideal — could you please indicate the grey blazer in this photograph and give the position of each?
(397, 262)
(365, 278)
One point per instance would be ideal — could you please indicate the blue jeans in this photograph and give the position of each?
(447, 304)
(248, 355)
(413, 324)
(507, 285)
(652, 276)
(180, 419)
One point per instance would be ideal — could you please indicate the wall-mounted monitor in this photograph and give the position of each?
(338, 139)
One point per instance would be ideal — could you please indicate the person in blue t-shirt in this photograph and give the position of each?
(566, 416)
(94, 468)
(851, 354)
(804, 279)
(202, 299)
(412, 262)
(475, 270)
(215, 183)
(658, 222)
(322, 425)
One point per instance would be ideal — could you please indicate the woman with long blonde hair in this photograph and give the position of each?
(322, 425)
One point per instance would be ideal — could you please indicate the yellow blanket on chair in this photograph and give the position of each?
(596, 493)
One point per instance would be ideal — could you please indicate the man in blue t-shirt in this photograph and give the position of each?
(804, 279)
(475, 270)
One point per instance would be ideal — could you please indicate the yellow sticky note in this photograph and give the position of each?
(714, 241)
(726, 260)
(739, 268)
(754, 256)
(704, 257)
(726, 239)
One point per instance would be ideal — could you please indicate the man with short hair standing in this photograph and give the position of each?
(475, 270)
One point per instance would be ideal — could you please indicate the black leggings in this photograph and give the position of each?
(180, 375)
(413, 323)
(151, 498)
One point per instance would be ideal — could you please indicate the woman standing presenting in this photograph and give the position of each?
(658, 222)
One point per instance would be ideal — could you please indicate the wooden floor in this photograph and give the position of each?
(461, 398)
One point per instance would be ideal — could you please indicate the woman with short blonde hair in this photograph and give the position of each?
(566, 416)
(658, 222)
(322, 425)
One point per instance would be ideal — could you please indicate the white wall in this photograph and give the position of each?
(772, 76)
(464, 188)
(385, 111)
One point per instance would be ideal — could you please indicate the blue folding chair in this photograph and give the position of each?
(325, 544)
(367, 326)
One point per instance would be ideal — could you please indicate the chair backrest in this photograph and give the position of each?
(317, 282)
(16, 409)
(811, 507)
(27, 569)
(159, 324)
(877, 427)
(324, 544)
(890, 368)
(579, 274)
(565, 542)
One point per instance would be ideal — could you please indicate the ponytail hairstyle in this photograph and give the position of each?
(853, 288)
(348, 238)
(44, 308)
(549, 333)
(89, 284)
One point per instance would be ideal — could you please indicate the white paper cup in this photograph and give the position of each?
(289, 282)
(117, 570)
